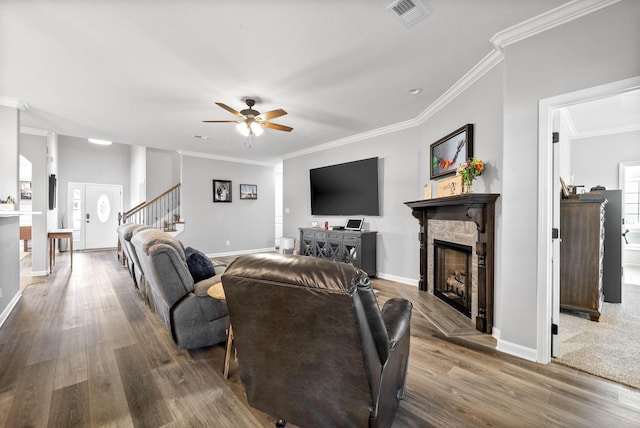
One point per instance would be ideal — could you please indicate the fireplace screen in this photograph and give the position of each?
(452, 275)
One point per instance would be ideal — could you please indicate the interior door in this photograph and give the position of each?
(103, 203)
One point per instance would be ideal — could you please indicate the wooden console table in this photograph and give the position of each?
(59, 234)
(475, 207)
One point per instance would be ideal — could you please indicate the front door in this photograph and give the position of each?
(94, 212)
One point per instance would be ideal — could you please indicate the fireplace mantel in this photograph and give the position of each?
(480, 209)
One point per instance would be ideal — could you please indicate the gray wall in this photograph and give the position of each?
(246, 224)
(81, 161)
(34, 148)
(595, 160)
(596, 49)
(163, 171)
(404, 161)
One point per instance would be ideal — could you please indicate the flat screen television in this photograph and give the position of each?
(345, 189)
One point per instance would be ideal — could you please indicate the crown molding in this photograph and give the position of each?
(34, 131)
(354, 138)
(555, 17)
(487, 63)
(15, 103)
(224, 158)
(607, 131)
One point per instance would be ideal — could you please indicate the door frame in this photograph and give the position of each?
(546, 109)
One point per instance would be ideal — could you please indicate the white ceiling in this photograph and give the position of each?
(148, 72)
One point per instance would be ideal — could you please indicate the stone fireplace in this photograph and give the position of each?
(465, 223)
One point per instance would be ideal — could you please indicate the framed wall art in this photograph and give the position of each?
(221, 191)
(25, 190)
(248, 191)
(449, 152)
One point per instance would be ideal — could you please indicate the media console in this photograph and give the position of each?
(357, 248)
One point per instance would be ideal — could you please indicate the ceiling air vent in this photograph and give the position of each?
(408, 11)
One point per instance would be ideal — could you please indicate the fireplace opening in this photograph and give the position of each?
(452, 275)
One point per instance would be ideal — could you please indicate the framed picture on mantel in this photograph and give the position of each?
(450, 151)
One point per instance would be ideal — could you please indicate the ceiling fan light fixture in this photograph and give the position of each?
(256, 128)
(243, 128)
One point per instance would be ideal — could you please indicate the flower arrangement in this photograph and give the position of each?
(469, 170)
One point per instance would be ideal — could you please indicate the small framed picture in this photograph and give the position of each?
(221, 191)
(248, 191)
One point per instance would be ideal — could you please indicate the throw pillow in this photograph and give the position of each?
(199, 264)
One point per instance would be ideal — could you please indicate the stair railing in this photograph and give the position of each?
(162, 212)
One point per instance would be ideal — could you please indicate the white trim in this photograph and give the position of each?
(546, 108)
(223, 158)
(354, 138)
(536, 25)
(7, 311)
(567, 121)
(400, 279)
(242, 252)
(39, 272)
(492, 59)
(516, 350)
(607, 131)
(15, 103)
(555, 17)
(34, 131)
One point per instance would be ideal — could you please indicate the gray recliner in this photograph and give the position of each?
(125, 232)
(193, 318)
(314, 347)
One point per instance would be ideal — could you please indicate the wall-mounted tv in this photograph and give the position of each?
(345, 189)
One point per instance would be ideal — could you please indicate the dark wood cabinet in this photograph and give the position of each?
(352, 247)
(581, 255)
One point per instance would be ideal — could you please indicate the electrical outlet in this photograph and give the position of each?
(227, 243)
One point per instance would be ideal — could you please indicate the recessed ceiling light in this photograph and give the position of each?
(202, 137)
(414, 91)
(100, 142)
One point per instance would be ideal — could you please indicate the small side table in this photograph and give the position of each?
(217, 292)
(59, 234)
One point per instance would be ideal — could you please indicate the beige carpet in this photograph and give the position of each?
(609, 348)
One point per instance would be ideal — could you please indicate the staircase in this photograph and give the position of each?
(162, 212)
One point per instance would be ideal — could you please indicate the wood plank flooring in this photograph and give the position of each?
(81, 349)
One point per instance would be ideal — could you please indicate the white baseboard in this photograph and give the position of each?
(39, 272)
(517, 350)
(242, 252)
(7, 311)
(401, 279)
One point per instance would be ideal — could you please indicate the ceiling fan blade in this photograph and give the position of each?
(271, 114)
(229, 109)
(220, 121)
(277, 127)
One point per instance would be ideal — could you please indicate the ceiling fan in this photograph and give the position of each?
(251, 121)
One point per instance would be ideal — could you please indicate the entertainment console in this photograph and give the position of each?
(357, 248)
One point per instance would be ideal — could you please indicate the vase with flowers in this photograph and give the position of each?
(469, 170)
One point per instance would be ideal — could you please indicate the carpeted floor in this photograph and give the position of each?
(609, 348)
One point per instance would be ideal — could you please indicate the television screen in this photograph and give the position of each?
(345, 189)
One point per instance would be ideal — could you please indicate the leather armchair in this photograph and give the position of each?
(313, 346)
(193, 318)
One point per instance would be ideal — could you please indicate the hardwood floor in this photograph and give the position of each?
(82, 349)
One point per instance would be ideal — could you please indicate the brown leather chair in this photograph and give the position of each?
(313, 346)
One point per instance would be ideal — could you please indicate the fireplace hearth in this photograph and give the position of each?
(452, 275)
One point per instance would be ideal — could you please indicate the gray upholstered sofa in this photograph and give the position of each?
(125, 233)
(314, 348)
(193, 318)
